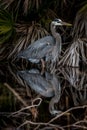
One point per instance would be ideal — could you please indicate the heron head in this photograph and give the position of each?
(59, 22)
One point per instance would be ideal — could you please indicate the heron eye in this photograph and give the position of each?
(58, 20)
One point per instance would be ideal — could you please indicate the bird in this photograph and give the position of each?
(47, 85)
(45, 49)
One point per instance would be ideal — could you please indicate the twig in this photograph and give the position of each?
(22, 101)
(63, 113)
(16, 94)
(39, 123)
(28, 107)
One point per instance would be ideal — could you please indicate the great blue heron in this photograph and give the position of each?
(48, 47)
(47, 86)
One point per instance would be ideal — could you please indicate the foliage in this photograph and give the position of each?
(26, 34)
(6, 26)
(80, 25)
(23, 13)
(23, 22)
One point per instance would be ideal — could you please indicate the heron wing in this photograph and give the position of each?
(38, 49)
(37, 82)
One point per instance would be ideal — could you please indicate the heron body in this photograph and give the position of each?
(37, 82)
(48, 86)
(42, 48)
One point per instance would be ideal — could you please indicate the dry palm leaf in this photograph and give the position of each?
(27, 35)
(31, 4)
(71, 56)
(26, 4)
(80, 24)
(74, 54)
(79, 96)
(78, 48)
(76, 78)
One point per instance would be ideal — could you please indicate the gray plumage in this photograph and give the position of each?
(37, 82)
(48, 47)
(48, 86)
(38, 49)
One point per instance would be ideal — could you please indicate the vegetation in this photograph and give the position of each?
(21, 23)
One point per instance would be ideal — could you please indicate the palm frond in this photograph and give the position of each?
(6, 25)
(26, 5)
(80, 24)
(79, 97)
(27, 34)
(71, 56)
(6, 4)
(76, 78)
(74, 54)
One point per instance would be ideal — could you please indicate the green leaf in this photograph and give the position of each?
(4, 29)
(6, 25)
(83, 9)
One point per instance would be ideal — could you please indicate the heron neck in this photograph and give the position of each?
(57, 37)
(55, 34)
(58, 42)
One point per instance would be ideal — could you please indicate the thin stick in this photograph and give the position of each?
(16, 94)
(63, 113)
(39, 123)
(28, 107)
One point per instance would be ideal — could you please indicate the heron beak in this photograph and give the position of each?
(66, 24)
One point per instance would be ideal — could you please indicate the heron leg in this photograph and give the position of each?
(43, 66)
(52, 68)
